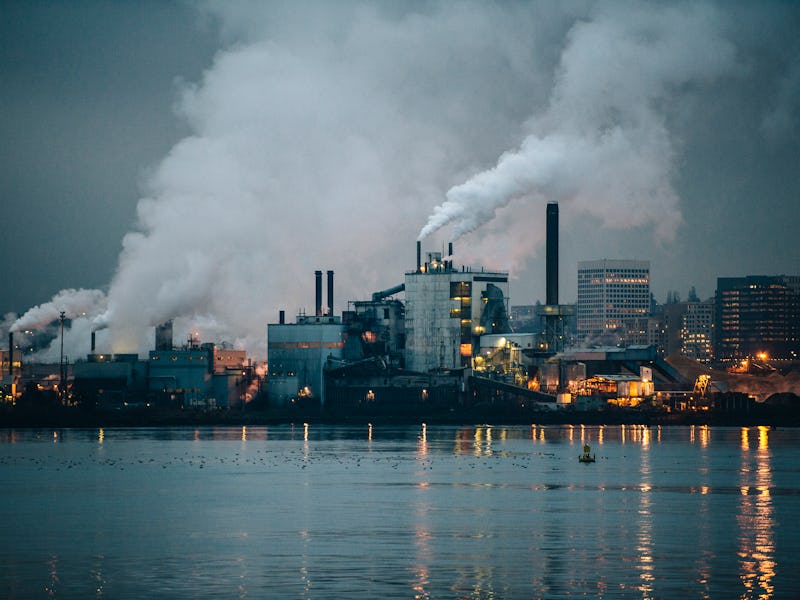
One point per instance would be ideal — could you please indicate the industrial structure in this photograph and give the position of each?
(195, 375)
(554, 314)
(299, 351)
(447, 310)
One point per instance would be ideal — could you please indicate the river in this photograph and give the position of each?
(299, 511)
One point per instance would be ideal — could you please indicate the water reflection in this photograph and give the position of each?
(644, 537)
(757, 564)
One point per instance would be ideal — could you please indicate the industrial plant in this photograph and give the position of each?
(444, 342)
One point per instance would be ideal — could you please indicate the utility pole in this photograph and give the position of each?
(62, 383)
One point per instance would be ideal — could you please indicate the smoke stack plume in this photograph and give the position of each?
(551, 257)
(318, 296)
(330, 292)
(603, 142)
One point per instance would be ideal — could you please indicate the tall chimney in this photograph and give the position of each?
(164, 336)
(552, 254)
(330, 293)
(419, 256)
(450, 249)
(93, 341)
(282, 317)
(318, 305)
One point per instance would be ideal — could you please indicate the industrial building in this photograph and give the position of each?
(299, 351)
(196, 375)
(612, 295)
(447, 310)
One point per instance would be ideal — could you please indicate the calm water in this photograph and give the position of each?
(419, 512)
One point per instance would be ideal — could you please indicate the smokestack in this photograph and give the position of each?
(419, 256)
(450, 249)
(93, 341)
(330, 292)
(318, 305)
(282, 317)
(552, 254)
(164, 336)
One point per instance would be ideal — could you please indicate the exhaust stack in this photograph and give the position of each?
(551, 258)
(164, 336)
(318, 300)
(93, 341)
(419, 256)
(330, 293)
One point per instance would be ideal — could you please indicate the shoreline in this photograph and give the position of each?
(77, 418)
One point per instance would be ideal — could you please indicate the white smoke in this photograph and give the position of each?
(75, 304)
(603, 143)
(322, 135)
(320, 138)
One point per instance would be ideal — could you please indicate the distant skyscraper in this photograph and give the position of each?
(697, 324)
(757, 314)
(612, 295)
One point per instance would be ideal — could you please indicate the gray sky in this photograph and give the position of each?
(262, 141)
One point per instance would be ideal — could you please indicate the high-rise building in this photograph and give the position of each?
(757, 314)
(612, 295)
(697, 326)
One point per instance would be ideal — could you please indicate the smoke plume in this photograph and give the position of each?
(323, 133)
(75, 304)
(603, 143)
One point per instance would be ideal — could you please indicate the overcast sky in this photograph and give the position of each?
(202, 160)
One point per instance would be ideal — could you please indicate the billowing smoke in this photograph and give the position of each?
(323, 133)
(75, 304)
(603, 143)
(320, 139)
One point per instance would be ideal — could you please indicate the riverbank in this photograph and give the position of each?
(63, 417)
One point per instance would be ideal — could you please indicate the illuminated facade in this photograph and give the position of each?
(448, 310)
(612, 295)
(757, 314)
(697, 326)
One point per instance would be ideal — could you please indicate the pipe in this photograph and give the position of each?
(93, 341)
(419, 256)
(318, 304)
(551, 258)
(330, 293)
(390, 292)
(450, 249)
(282, 317)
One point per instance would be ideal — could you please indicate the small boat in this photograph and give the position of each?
(586, 457)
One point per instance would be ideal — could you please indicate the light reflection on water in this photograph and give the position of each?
(424, 512)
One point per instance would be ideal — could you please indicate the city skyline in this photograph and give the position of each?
(232, 149)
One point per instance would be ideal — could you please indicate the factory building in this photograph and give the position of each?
(757, 315)
(196, 375)
(612, 296)
(447, 310)
(376, 328)
(298, 352)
